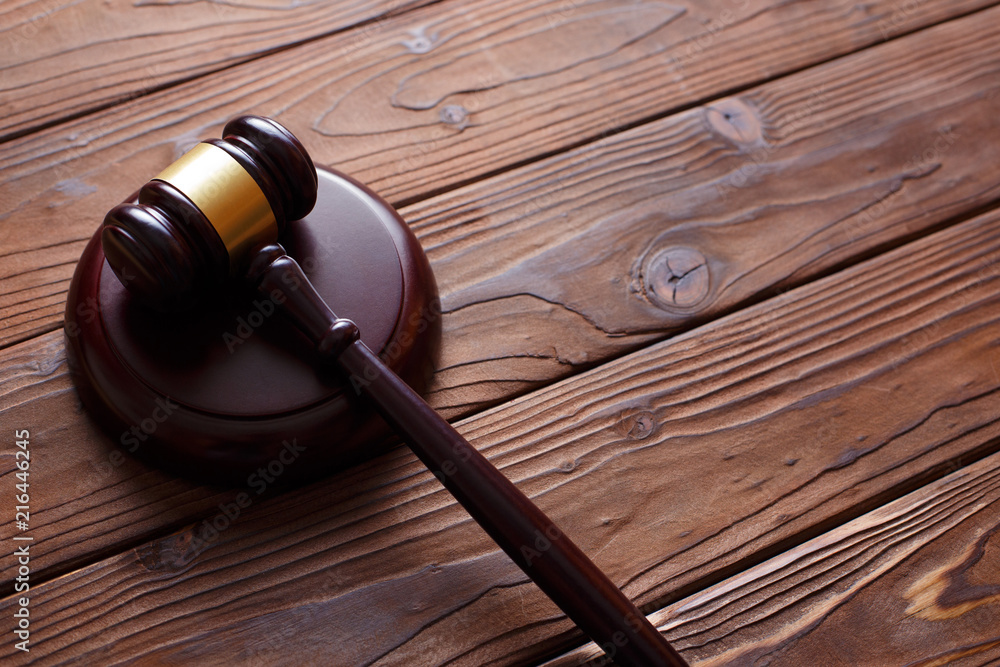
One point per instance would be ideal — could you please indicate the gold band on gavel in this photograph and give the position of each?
(228, 196)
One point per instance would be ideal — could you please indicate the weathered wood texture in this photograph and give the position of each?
(93, 54)
(814, 200)
(778, 421)
(72, 510)
(911, 583)
(62, 59)
(610, 197)
(395, 106)
(557, 266)
(674, 467)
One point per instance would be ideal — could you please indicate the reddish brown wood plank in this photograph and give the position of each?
(63, 59)
(364, 111)
(913, 582)
(554, 267)
(508, 329)
(761, 426)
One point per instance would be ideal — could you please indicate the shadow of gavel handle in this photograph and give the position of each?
(523, 531)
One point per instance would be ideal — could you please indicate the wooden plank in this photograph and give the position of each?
(356, 111)
(509, 328)
(84, 501)
(913, 582)
(65, 59)
(776, 422)
(552, 268)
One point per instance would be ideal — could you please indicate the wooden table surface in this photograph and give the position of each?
(721, 292)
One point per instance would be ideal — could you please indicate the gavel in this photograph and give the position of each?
(216, 215)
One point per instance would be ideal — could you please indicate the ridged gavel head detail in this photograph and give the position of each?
(200, 218)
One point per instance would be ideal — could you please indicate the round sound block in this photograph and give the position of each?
(230, 391)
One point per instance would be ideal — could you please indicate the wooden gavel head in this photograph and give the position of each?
(219, 211)
(240, 369)
(199, 220)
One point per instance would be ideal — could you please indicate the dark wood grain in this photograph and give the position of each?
(367, 102)
(911, 583)
(775, 422)
(65, 59)
(744, 197)
(162, 226)
(37, 394)
(675, 467)
(220, 388)
(508, 330)
(529, 538)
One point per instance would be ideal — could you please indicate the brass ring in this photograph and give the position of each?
(228, 197)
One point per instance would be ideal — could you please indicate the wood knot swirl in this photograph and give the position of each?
(960, 586)
(676, 278)
(636, 424)
(172, 554)
(735, 120)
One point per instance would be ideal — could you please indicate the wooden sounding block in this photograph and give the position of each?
(169, 350)
(215, 393)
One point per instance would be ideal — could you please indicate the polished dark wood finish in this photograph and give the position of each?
(277, 160)
(535, 193)
(170, 265)
(208, 364)
(164, 249)
(155, 233)
(531, 539)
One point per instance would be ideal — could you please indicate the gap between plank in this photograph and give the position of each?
(757, 557)
(825, 526)
(150, 90)
(673, 111)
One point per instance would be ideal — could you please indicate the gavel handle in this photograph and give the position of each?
(523, 531)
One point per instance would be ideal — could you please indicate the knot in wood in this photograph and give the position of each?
(453, 114)
(173, 553)
(735, 120)
(636, 424)
(676, 278)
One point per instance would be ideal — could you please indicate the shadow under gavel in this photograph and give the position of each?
(217, 213)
